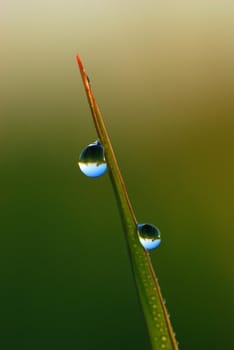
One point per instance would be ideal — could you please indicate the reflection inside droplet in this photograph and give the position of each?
(92, 161)
(149, 236)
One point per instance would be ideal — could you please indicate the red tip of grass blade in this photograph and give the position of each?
(79, 62)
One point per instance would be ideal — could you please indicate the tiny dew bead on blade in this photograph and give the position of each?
(92, 161)
(149, 236)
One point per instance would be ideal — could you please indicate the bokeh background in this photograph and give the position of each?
(163, 75)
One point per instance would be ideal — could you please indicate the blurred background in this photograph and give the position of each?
(163, 75)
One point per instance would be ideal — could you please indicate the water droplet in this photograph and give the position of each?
(92, 161)
(88, 79)
(149, 236)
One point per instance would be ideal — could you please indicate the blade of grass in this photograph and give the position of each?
(157, 319)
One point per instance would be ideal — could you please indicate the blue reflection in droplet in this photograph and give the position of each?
(92, 161)
(149, 236)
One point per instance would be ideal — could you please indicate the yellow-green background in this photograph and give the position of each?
(163, 75)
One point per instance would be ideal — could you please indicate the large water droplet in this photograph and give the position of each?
(149, 236)
(92, 161)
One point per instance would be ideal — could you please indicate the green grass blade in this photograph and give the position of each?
(157, 320)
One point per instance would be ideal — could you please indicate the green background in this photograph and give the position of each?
(163, 75)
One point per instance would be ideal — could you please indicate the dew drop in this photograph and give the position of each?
(149, 236)
(92, 161)
(88, 79)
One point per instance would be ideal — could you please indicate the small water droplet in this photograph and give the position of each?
(92, 161)
(149, 236)
(88, 79)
